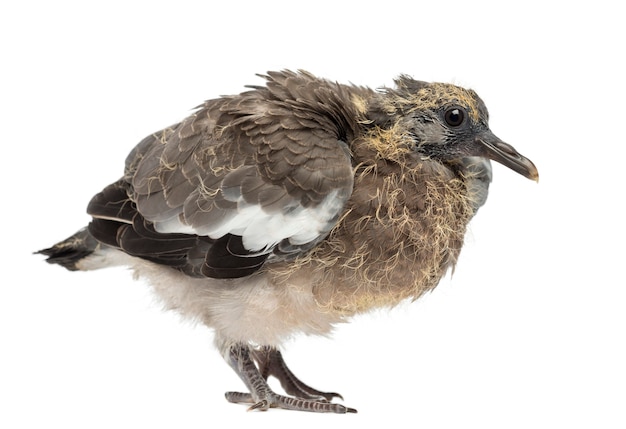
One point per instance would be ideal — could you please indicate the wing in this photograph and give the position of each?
(247, 178)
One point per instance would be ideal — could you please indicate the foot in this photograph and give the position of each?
(262, 397)
(274, 400)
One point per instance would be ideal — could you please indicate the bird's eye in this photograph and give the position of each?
(454, 116)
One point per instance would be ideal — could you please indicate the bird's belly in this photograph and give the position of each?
(250, 310)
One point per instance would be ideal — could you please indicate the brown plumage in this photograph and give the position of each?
(294, 205)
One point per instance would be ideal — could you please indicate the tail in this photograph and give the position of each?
(69, 252)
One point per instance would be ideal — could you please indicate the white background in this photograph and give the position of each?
(529, 332)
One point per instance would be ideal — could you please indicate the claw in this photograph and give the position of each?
(261, 405)
(330, 395)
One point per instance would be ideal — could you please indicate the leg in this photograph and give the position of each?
(261, 395)
(271, 363)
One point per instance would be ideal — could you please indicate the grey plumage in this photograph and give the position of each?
(294, 205)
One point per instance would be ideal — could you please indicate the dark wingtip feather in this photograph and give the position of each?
(228, 259)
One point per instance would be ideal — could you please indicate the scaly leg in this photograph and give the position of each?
(261, 395)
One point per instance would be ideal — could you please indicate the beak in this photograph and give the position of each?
(493, 148)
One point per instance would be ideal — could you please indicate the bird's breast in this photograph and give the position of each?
(398, 237)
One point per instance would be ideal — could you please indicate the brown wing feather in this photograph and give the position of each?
(285, 132)
(278, 149)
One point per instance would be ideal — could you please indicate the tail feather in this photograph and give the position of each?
(68, 252)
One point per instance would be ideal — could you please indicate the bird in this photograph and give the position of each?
(292, 207)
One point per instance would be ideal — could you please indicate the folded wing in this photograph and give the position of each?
(247, 178)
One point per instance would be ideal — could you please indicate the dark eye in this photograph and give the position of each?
(454, 116)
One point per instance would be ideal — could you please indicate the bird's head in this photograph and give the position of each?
(445, 122)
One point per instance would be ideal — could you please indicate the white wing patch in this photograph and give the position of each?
(260, 230)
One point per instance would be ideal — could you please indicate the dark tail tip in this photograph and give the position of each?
(68, 252)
